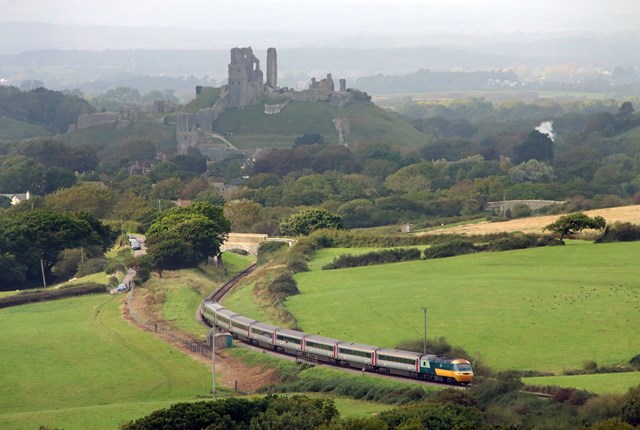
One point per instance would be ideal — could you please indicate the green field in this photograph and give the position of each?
(617, 383)
(76, 364)
(544, 309)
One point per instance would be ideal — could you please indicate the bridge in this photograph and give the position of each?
(250, 242)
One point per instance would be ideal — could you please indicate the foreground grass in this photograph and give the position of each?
(72, 363)
(544, 309)
(615, 383)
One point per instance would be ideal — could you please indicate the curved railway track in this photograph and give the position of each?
(223, 289)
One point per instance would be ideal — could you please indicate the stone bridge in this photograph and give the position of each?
(534, 205)
(250, 242)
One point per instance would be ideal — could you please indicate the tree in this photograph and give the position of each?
(242, 214)
(96, 200)
(572, 223)
(538, 146)
(19, 174)
(197, 231)
(309, 220)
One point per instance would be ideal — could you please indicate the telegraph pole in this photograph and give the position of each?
(212, 336)
(424, 311)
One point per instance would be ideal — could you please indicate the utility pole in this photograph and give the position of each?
(424, 311)
(212, 336)
(44, 280)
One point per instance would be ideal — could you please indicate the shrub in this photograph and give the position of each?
(620, 232)
(450, 249)
(284, 285)
(91, 266)
(520, 210)
(267, 249)
(635, 362)
(371, 258)
(297, 264)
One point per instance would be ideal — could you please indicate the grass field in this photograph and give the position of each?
(544, 309)
(76, 364)
(616, 383)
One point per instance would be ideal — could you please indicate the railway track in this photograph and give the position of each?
(223, 289)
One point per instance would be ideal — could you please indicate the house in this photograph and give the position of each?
(17, 198)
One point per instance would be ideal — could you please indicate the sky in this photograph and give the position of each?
(338, 16)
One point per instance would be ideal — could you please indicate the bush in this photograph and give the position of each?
(635, 362)
(620, 232)
(284, 285)
(267, 249)
(371, 258)
(450, 249)
(520, 210)
(297, 264)
(91, 266)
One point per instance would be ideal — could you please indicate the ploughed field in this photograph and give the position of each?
(544, 309)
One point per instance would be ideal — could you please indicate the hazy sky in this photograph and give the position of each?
(348, 16)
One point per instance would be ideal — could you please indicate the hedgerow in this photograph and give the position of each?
(377, 257)
(52, 294)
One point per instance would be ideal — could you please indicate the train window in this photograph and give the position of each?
(239, 325)
(355, 353)
(260, 332)
(403, 360)
(462, 367)
(288, 339)
(319, 346)
(223, 319)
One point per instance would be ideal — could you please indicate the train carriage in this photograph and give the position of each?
(263, 334)
(357, 355)
(239, 326)
(209, 310)
(290, 340)
(223, 318)
(325, 348)
(397, 361)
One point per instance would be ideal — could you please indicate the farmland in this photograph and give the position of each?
(545, 309)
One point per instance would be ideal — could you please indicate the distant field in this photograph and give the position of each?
(617, 383)
(536, 224)
(76, 364)
(544, 309)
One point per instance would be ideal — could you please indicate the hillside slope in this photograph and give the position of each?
(251, 127)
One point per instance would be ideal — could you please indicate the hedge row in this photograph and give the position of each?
(370, 258)
(620, 232)
(52, 294)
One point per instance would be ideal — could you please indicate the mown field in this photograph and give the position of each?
(544, 309)
(76, 364)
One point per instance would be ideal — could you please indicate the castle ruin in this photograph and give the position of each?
(246, 87)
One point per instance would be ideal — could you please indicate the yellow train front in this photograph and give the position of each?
(444, 369)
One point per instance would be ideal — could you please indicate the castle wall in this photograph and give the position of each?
(272, 68)
(245, 78)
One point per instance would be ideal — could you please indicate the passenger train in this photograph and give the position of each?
(428, 367)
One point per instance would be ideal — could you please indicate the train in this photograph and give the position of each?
(369, 358)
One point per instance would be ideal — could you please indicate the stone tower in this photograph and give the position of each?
(272, 68)
(245, 78)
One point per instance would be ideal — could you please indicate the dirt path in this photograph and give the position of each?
(536, 224)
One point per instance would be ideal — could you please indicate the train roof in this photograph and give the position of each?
(359, 346)
(265, 326)
(243, 319)
(292, 333)
(322, 339)
(215, 306)
(400, 353)
(226, 312)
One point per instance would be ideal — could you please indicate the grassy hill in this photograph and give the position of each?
(251, 127)
(11, 130)
(543, 309)
(147, 127)
(75, 363)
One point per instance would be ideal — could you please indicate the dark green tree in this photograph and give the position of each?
(309, 139)
(309, 220)
(572, 223)
(536, 146)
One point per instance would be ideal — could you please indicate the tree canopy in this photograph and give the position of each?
(185, 237)
(309, 220)
(572, 223)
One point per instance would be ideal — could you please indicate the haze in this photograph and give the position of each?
(329, 19)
